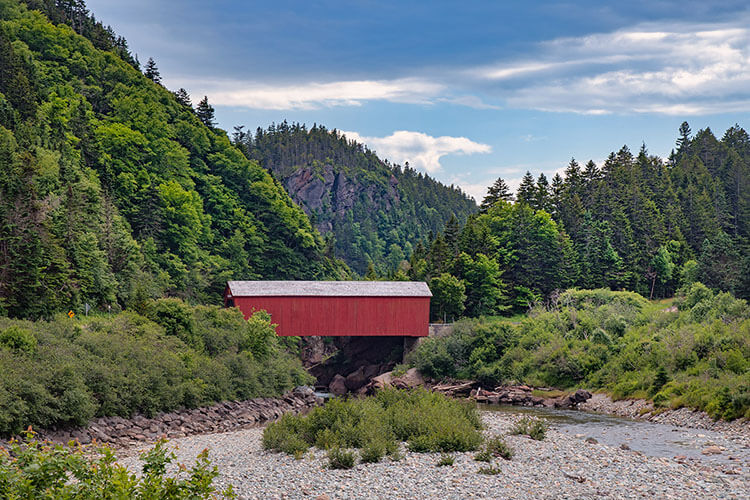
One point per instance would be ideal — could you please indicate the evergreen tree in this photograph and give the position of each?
(683, 142)
(543, 198)
(499, 191)
(205, 112)
(152, 72)
(527, 192)
(452, 234)
(183, 98)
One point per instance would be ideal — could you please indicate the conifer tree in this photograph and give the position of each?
(183, 98)
(152, 72)
(543, 198)
(683, 142)
(205, 112)
(527, 190)
(499, 191)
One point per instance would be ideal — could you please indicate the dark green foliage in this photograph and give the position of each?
(638, 223)
(113, 191)
(427, 421)
(448, 298)
(617, 341)
(374, 211)
(31, 469)
(68, 371)
(535, 428)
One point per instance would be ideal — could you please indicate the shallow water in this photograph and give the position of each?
(653, 439)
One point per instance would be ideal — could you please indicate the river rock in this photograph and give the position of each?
(337, 386)
(356, 379)
(381, 381)
(409, 380)
(712, 450)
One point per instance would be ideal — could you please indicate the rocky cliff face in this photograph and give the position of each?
(326, 196)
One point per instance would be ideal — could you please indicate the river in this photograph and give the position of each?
(649, 438)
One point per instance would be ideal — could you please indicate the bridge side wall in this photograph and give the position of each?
(343, 316)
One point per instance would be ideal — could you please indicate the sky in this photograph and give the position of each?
(465, 91)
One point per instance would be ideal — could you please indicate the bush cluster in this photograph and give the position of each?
(698, 356)
(67, 371)
(427, 422)
(31, 469)
(535, 428)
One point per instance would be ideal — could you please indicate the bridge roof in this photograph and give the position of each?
(329, 288)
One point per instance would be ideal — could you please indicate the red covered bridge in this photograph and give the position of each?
(337, 308)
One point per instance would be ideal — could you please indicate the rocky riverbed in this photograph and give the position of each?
(561, 466)
(684, 417)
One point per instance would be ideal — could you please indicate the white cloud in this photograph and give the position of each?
(686, 69)
(422, 151)
(674, 69)
(313, 95)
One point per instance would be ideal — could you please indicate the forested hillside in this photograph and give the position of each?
(637, 222)
(114, 189)
(374, 211)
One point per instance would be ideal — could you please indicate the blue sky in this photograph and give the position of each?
(466, 91)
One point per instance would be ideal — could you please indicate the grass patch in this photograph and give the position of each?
(495, 447)
(535, 428)
(445, 461)
(426, 421)
(489, 471)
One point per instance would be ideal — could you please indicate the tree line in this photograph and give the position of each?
(637, 222)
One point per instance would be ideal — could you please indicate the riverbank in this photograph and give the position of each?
(228, 416)
(641, 409)
(561, 466)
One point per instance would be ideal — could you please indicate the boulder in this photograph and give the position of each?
(356, 379)
(304, 390)
(337, 386)
(412, 378)
(382, 381)
(579, 396)
(371, 371)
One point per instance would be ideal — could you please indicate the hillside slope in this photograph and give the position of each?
(375, 211)
(112, 190)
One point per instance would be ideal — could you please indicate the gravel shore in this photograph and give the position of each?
(560, 467)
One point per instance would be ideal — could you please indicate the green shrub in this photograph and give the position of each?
(70, 370)
(426, 421)
(615, 341)
(445, 460)
(340, 459)
(31, 469)
(19, 339)
(535, 428)
(373, 451)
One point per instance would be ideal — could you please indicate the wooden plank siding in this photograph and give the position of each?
(342, 315)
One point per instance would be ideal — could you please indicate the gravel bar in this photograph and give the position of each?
(560, 467)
